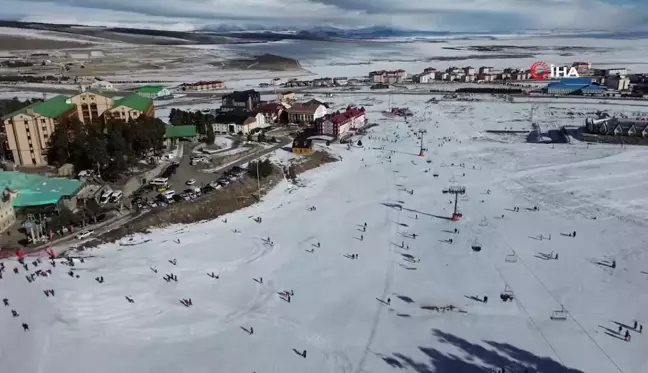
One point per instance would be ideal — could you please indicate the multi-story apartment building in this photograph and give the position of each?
(388, 77)
(241, 100)
(28, 130)
(91, 105)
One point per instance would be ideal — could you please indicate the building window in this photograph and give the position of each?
(45, 136)
(33, 160)
(43, 120)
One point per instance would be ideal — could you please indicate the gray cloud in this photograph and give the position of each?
(456, 15)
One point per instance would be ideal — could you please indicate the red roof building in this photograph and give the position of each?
(202, 85)
(271, 110)
(339, 123)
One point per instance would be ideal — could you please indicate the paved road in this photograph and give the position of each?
(381, 92)
(68, 90)
(208, 96)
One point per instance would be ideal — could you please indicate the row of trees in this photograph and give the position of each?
(201, 120)
(8, 106)
(112, 147)
(265, 168)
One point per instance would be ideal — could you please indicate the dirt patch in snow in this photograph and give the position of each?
(314, 160)
(11, 42)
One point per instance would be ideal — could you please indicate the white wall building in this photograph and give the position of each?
(426, 77)
(102, 85)
(305, 113)
(234, 122)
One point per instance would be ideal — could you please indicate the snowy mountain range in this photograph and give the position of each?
(383, 32)
(335, 32)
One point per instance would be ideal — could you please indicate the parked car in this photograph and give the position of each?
(116, 196)
(84, 235)
(208, 188)
(191, 182)
(105, 196)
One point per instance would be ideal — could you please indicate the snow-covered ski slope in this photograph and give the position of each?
(338, 312)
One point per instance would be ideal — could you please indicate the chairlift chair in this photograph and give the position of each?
(559, 315)
(511, 258)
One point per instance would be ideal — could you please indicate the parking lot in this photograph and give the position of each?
(182, 171)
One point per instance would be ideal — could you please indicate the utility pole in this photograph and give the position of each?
(258, 180)
(421, 154)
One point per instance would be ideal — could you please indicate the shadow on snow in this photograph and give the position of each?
(476, 358)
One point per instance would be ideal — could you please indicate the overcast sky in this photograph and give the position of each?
(432, 15)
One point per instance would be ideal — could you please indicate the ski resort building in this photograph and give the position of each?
(35, 192)
(273, 112)
(574, 86)
(132, 107)
(302, 146)
(154, 91)
(287, 96)
(173, 134)
(339, 123)
(388, 76)
(244, 122)
(92, 106)
(305, 113)
(241, 100)
(28, 130)
(201, 86)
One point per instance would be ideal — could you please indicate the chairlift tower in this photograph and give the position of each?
(421, 153)
(456, 190)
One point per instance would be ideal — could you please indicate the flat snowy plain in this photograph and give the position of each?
(338, 312)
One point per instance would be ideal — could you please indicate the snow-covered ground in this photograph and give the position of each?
(353, 59)
(339, 312)
(22, 95)
(223, 142)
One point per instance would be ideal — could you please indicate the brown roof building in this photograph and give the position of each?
(305, 113)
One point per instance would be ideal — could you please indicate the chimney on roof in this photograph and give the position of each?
(29, 110)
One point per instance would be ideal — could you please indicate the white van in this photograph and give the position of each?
(160, 181)
(116, 196)
(169, 193)
(105, 196)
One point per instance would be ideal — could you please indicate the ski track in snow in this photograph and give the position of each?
(334, 314)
